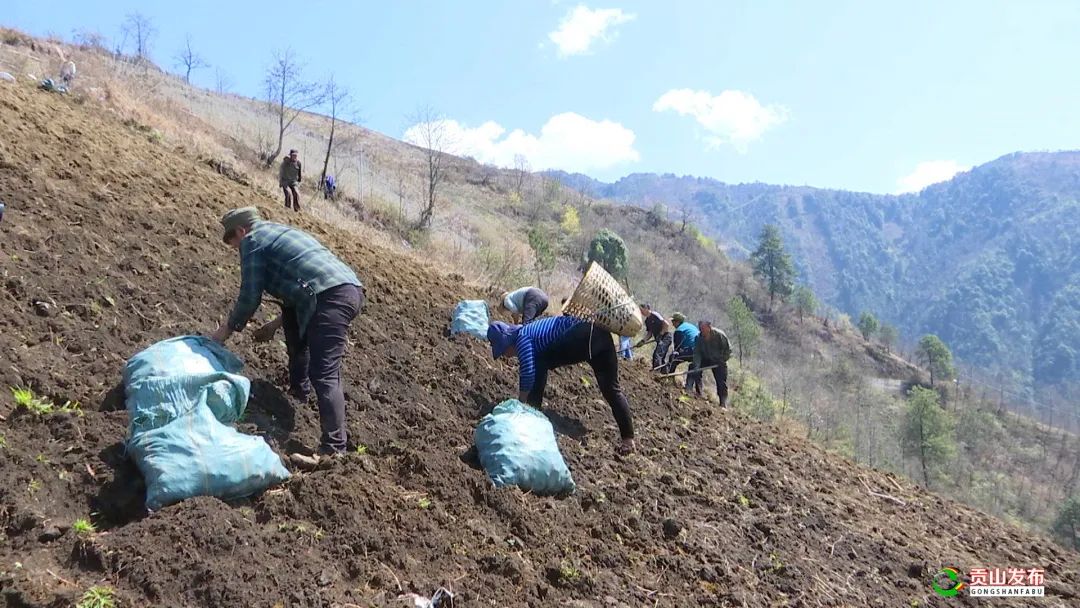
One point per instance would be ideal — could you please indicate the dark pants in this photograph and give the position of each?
(292, 199)
(696, 381)
(586, 342)
(659, 354)
(316, 357)
(533, 305)
(681, 355)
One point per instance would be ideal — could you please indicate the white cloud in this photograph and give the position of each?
(583, 26)
(567, 141)
(732, 117)
(929, 172)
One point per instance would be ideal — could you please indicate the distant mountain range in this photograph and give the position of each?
(989, 260)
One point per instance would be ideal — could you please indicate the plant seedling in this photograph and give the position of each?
(25, 398)
(97, 597)
(361, 449)
(425, 503)
(83, 527)
(568, 574)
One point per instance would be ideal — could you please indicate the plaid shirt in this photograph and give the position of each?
(288, 264)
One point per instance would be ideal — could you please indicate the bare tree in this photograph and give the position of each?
(428, 131)
(139, 28)
(337, 100)
(521, 173)
(686, 215)
(222, 83)
(288, 95)
(187, 59)
(402, 190)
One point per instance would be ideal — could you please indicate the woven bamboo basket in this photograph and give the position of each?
(601, 299)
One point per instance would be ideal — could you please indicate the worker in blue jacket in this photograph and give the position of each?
(552, 342)
(685, 336)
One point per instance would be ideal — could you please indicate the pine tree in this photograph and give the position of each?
(805, 301)
(933, 354)
(608, 250)
(868, 325)
(744, 327)
(928, 431)
(772, 264)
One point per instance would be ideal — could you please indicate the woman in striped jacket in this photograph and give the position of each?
(554, 342)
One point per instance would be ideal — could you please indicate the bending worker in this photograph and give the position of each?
(320, 297)
(526, 304)
(711, 349)
(683, 343)
(554, 342)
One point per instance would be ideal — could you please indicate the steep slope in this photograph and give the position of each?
(1005, 298)
(101, 259)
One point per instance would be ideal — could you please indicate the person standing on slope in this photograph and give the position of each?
(329, 188)
(320, 296)
(526, 304)
(554, 342)
(289, 176)
(657, 328)
(711, 348)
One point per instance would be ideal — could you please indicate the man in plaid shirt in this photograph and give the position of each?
(319, 296)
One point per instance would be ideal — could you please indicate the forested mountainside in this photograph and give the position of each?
(989, 261)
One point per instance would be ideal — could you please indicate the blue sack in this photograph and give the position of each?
(181, 393)
(470, 317)
(517, 447)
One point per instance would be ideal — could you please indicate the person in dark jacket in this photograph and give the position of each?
(320, 297)
(554, 342)
(658, 329)
(683, 341)
(711, 348)
(526, 304)
(289, 176)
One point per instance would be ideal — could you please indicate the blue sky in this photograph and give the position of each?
(874, 96)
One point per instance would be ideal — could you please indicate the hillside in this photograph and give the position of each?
(102, 259)
(1005, 301)
(815, 377)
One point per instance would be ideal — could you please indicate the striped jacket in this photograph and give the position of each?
(533, 339)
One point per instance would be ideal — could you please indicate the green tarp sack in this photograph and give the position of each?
(517, 447)
(181, 395)
(470, 317)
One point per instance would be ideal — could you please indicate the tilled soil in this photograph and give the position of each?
(111, 242)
